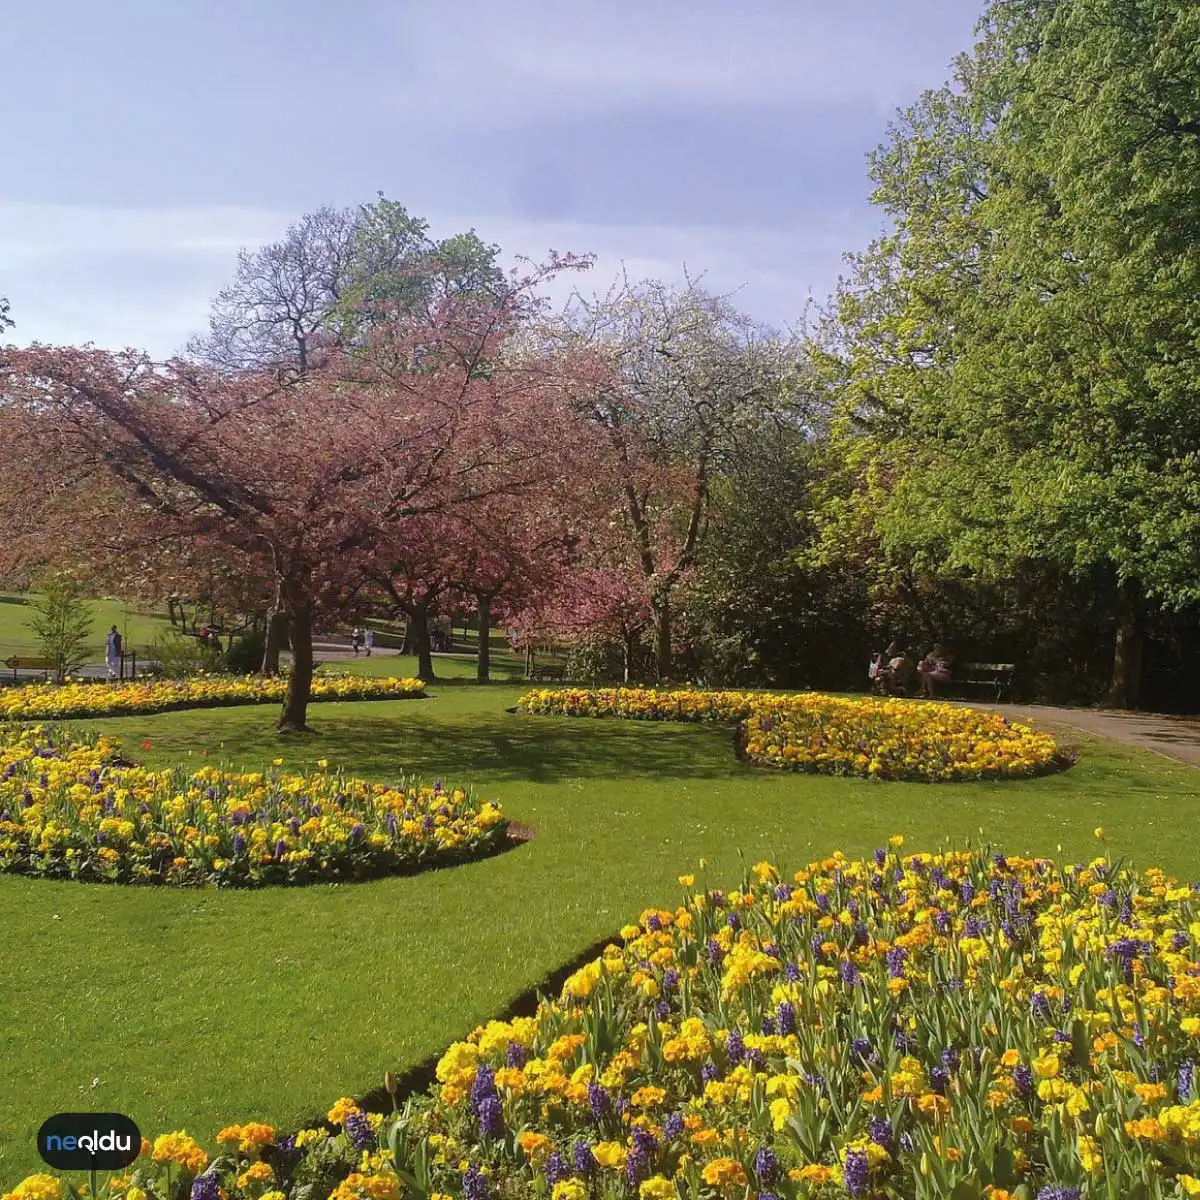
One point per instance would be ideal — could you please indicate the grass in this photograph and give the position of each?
(195, 1009)
(137, 628)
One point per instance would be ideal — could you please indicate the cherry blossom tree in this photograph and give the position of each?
(312, 476)
(672, 379)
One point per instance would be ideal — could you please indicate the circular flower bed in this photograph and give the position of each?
(72, 701)
(905, 1027)
(882, 739)
(67, 811)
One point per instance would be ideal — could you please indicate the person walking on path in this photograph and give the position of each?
(370, 641)
(112, 653)
(356, 640)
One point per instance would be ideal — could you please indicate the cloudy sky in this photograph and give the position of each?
(143, 143)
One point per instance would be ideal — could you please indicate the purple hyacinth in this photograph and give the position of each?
(951, 1058)
(713, 951)
(392, 824)
(654, 923)
(816, 942)
(709, 1073)
(1186, 1080)
(515, 1055)
(791, 973)
(556, 1168)
(474, 1184)
(1023, 1078)
(735, 1047)
(942, 922)
(1108, 898)
(673, 1127)
(880, 857)
(895, 962)
(766, 1165)
(599, 1101)
(637, 1166)
(861, 1048)
(583, 1159)
(239, 845)
(768, 1026)
(206, 1187)
(907, 1142)
(849, 972)
(880, 1132)
(904, 1042)
(967, 891)
(670, 979)
(1179, 942)
(784, 892)
(359, 1131)
(491, 1117)
(770, 949)
(662, 1010)
(938, 1079)
(280, 848)
(1039, 1005)
(717, 899)
(785, 1018)
(483, 1087)
(1054, 1192)
(733, 921)
(855, 1172)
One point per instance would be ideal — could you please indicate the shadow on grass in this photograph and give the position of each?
(426, 745)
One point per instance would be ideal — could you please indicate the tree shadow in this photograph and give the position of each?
(438, 745)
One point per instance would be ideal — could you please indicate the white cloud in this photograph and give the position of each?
(145, 278)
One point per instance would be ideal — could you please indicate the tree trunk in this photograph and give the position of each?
(483, 669)
(276, 631)
(419, 623)
(662, 639)
(1127, 650)
(410, 636)
(294, 718)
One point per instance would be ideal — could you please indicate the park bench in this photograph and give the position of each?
(28, 662)
(993, 678)
(551, 671)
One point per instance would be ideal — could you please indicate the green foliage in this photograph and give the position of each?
(1017, 359)
(62, 623)
(245, 656)
(179, 655)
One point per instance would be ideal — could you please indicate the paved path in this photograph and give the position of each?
(1172, 737)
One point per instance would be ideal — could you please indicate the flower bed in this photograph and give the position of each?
(67, 812)
(72, 701)
(884, 739)
(906, 1027)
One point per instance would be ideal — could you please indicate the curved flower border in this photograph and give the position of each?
(81, 701)
(834, 735)
(905, 1026)
(70, 808)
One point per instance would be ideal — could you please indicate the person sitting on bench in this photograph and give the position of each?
(895, 673)
(934, 668)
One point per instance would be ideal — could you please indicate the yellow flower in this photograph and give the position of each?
(180, 1149)
(1099, 832)
(609, 1154)
(657, 1188)
(567, 1189)
(37, 1187)
(724, 1172)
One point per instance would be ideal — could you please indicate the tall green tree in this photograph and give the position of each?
(1018, 357)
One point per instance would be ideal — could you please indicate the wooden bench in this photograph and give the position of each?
(23, 662)
(551, 671)
(987, 677)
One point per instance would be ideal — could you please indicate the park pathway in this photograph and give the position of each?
(1172, 737)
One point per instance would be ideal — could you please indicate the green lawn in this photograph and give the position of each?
(196, 1009)
(137, 628)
